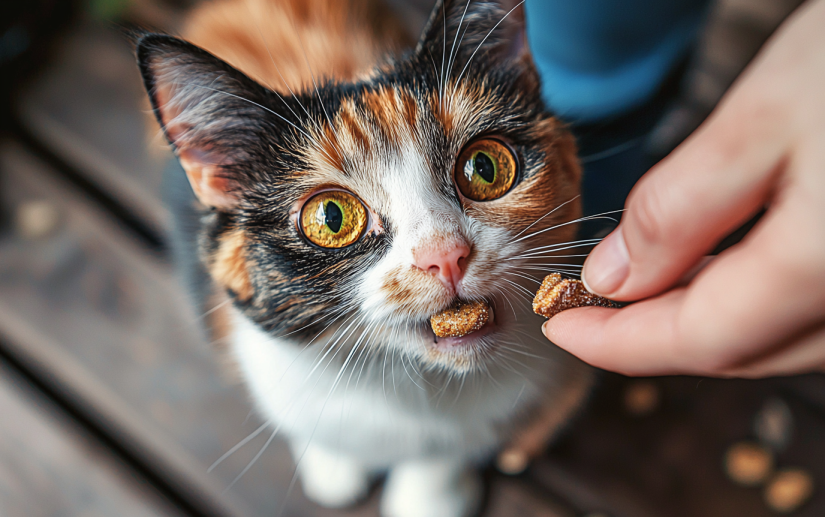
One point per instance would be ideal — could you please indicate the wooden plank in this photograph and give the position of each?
(670, 461)
(89, 107)
(509, 497)
(49, 467)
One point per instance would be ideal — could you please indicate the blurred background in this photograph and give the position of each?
(112, 402)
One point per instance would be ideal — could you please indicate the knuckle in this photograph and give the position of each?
(647, 215)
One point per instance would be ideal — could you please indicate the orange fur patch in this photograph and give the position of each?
(352, 124)
(409, 108)
(411, 290)
(283, 44)
(394, 112)
(388, 115)
(460, 104)
(229, 267)
(384, 105)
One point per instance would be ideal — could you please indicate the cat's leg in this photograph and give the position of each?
(330, 479)
(431, 488)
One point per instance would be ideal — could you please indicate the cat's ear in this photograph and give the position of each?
(461, 30)
(211, 113)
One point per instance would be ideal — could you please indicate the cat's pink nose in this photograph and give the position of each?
(446, 262)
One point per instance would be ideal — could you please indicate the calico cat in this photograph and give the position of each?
(347, 190)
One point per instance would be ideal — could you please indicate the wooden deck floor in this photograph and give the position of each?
(111, 399)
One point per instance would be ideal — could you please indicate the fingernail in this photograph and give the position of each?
(543, 329)
(607, 267)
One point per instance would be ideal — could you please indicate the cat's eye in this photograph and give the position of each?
(486, 169)
(333, 219)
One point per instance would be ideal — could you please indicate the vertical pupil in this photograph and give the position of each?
(484, 167)
(334, 216)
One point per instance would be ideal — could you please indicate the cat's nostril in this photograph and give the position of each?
(447, 263)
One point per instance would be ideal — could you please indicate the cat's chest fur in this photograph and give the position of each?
(383, 409)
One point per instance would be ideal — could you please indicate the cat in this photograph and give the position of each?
(346, 188)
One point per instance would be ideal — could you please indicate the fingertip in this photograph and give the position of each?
(584, 280)
(574, 329)
(608, 266)
(599, 337)
(581, 333)
(548, 328)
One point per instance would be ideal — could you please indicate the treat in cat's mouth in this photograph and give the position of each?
(460, 319)
(558, 294)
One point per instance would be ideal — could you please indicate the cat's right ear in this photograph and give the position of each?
(211, 114)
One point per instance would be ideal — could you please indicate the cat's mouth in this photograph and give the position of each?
(464, 353)
(467, 341)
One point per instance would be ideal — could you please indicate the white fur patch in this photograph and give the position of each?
(381, 409)
(331, 479)
(432, 488)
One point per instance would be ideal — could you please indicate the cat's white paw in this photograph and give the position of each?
(431, 489)
(332, 480)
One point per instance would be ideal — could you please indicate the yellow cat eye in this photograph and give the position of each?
(333, 219)
(485, 170)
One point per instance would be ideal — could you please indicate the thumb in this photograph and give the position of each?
(677, 213)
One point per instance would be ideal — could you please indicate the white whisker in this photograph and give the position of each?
(253, 461)
(237, 446)
(554, 248)
(545, 215)
(526, 277)
(263, 40)
(552, 264)
(454, 49)
(317, 92)
(580, 219)
(607, 153)
(255, 104)
(521, 289)
(458, 80)
(215, 308)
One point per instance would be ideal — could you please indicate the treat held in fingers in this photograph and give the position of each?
(558, 294)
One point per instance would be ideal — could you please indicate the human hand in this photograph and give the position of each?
(759, 308)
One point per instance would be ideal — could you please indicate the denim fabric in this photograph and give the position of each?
(601, 58)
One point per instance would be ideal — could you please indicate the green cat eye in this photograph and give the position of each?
(485, 170)
(333, 219)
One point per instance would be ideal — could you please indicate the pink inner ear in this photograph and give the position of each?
(203, 173)
(202, 167)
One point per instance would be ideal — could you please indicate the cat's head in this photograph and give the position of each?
(355, 211)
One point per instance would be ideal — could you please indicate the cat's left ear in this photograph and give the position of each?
(213, 115)
(484, 31)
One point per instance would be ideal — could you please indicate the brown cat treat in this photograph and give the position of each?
(461, 319)
(558, 294)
